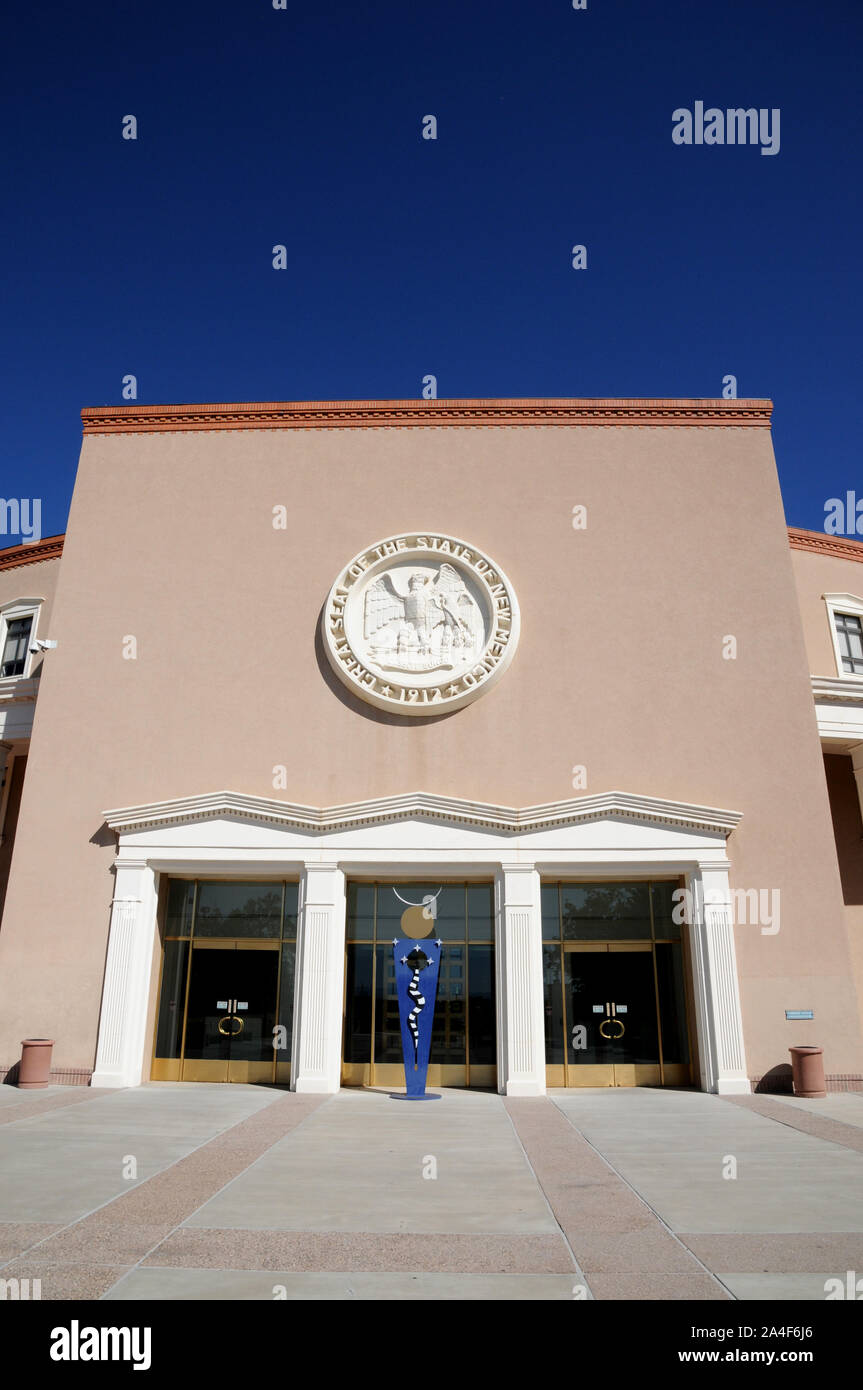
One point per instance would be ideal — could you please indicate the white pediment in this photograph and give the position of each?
(229, 823)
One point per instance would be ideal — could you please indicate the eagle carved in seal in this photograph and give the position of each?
(435, 623)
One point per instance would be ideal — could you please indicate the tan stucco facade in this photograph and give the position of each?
(28, 581)
(828, 573)
(35, 579)
(825, 567)
(625, 665)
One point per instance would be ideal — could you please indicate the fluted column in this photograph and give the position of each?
(320, 987)
(125, 992)
(521, 1028)
(719, 1017)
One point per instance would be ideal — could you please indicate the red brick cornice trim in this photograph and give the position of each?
(283, 415)
(49, 549)
(840, 547)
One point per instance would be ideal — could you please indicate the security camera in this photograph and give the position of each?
(42, 644)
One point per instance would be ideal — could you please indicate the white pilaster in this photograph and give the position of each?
(317, 1063)
(521, 1025)
(123, 1017)
(717, 1003)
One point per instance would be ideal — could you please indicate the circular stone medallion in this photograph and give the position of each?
(419, 624)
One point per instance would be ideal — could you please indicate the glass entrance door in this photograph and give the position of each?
(612, 1028)
(464, 1036)
(231, 1012)
(615, 970)
(226, 995)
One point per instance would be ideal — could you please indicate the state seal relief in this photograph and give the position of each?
(435, 625)
(420, 620)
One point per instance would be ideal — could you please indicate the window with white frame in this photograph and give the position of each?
(850, 634)
(18, 621)
(846, 628)
(16, 646)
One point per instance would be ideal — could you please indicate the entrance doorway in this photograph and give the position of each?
(464, 1036)
(226, 995)
(617, 1012)
(231, 1011)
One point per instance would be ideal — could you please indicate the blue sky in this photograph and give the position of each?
(405, 256)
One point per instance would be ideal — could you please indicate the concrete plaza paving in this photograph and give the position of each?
(177, 1192)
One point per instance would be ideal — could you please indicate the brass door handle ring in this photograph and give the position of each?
(231, 1032)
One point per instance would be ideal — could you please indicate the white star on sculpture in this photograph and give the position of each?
(395, 941)
(438, 943)
(404, 960)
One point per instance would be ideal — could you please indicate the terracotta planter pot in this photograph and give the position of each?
(35, 1068)
(807, 1071)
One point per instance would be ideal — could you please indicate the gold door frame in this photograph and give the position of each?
(670, 1073)
(610, 1073)
(204, 1069)
(391, 1075)
(585, 1075)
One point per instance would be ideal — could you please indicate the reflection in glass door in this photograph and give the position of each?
(464, 1036)
(231, 1012)
(610, 1005)
(226, 995)
(614, 984)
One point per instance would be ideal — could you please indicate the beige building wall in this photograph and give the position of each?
(28, 574)
(32, 580)
(24, 578)
(620, 667)
(848, 829)
(834, 565)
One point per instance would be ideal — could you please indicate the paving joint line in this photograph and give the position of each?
(798, 1129)
(547, 1201)
(645, 1202)
(118, 1196)
(130, 1269)
(99, 1093)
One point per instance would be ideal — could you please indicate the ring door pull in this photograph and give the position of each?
(231, 1026)
(609, 1022)
(234, 1028)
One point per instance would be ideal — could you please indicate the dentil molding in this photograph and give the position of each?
(426, 806)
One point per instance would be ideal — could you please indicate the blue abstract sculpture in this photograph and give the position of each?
(417, 964)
